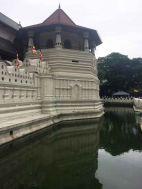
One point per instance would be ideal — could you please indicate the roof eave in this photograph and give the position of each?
(9, 22)
(94, 32)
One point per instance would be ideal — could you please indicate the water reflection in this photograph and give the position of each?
(120, 133)
(120, 156)
(64, 159)
(139, 120)
(91, 155)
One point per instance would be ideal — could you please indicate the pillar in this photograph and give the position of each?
(93, 47)
(86, 41)
(58, 37)
(30, 40)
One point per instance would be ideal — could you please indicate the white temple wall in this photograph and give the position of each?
(17, 94)
(64, 75)
(17, 85)
(64, 89)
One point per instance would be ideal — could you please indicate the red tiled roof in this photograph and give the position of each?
(59, 17)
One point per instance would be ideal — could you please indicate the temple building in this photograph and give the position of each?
(61, 85)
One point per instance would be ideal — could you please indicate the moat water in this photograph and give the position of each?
(104, 154)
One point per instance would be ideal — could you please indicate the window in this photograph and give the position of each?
(75, 61)
(11, 133)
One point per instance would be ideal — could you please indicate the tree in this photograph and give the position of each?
(118, 72)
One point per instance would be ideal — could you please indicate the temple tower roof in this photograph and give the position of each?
(59, 17)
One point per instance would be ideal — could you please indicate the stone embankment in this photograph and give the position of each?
(21, 120)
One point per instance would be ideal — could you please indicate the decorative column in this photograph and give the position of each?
(58, 37)
(86, 41)
(30, 40)
(93, 47)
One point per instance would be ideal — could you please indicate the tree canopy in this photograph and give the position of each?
(119, 73)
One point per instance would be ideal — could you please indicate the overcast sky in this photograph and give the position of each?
(118, 22)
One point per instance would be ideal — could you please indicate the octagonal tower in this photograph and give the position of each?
(70, 84)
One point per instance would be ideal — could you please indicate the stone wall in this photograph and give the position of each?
(63, 87)
(71, 82)
(71, 89)
(20, 84)
(72, 74)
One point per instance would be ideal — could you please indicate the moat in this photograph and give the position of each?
(104, 154)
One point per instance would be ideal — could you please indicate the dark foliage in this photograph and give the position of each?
(119, 73)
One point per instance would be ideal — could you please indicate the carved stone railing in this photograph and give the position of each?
(120, 101)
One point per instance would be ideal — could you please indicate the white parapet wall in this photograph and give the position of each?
(137, 105)
(119, 101)
(64, 86)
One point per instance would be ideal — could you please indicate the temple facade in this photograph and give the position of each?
(62, 86)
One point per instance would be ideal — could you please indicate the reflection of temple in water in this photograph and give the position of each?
(63, 159)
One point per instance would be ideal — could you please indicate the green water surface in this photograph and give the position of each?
(104, 154)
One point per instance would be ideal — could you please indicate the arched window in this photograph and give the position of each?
(49, 44)
(67, 44)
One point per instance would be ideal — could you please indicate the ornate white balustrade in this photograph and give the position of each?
(124, 101)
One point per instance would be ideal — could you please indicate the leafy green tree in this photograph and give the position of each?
(118, 72)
